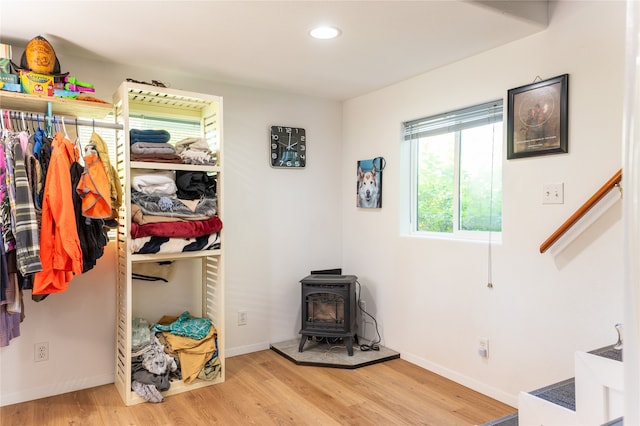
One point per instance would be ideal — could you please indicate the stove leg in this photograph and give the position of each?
(349, 343)
(303, 340)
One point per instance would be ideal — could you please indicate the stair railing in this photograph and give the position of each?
(597, 196)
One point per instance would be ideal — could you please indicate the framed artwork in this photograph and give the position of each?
(537, 116)
(369, 183)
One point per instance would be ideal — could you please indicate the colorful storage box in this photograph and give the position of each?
(67, 94)
(12, 87)
(36, 84)
(8, 78)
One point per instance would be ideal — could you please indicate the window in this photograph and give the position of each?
(456, 173)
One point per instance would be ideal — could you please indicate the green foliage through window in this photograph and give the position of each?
(457, 161)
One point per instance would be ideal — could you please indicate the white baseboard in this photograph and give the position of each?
(71, 385)
(477, 386)
(241, 350)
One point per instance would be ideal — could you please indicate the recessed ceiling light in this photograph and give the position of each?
(324, 33)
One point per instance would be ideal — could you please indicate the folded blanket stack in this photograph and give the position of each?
(163, 221)
(152, 145)
(155, 136)
(195, 151)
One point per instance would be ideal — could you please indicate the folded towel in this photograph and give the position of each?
(154, 182)
(152, 148)
(158, 136)
(197, 144)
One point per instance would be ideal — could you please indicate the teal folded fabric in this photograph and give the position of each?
(194, 328)
(157, 136)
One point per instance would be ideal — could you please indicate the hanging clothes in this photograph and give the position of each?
(93, 187)
(9, 242)
(26, 227)
(92, 233)
(60, 250)
(9, 321)
(115, 187)
(34, 174)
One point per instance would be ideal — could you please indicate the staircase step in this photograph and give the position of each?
(561, 393)
(508, 420)
(609, 352)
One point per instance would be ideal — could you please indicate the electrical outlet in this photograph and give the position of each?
(483, 347)
(242, 317)
(41, 351)
(553, 193)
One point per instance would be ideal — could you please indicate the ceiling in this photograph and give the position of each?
(266, 44)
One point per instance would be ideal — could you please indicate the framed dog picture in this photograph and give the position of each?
(369, 183)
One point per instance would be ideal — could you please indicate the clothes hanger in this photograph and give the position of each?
(54, 127)
(7, 116)
(64, 128)
(32, 126)
(24, 123)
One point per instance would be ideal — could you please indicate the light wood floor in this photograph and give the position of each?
(263, 388)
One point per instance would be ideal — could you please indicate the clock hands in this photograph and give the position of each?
(288, 145)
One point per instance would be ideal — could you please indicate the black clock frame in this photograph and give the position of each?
(288, 147)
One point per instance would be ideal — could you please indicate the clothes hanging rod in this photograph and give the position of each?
(21, 115)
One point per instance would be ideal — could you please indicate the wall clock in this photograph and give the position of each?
(288, 147)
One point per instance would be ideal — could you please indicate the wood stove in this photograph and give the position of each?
(329, 309)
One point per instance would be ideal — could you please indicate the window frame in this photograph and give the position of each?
(413, 142)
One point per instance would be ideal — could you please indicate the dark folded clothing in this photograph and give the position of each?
(160, 136)
(195, 185)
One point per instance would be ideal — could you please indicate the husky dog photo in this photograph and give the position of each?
(369, 183)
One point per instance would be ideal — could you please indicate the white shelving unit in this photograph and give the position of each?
(198, 284)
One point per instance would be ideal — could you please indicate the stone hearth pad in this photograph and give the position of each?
(321, 354)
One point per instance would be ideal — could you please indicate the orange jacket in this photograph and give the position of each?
(60, 251)
(94, 188)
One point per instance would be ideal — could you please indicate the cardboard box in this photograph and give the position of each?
(36, 84)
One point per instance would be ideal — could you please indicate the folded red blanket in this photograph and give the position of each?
(190, 229)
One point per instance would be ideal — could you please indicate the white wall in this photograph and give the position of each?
(279, 225)
(430, 296)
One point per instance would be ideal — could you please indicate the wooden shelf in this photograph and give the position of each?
(157, 257)
(173, 166)
(199, 286)
(59, 106)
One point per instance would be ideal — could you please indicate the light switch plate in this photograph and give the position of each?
(553, 193)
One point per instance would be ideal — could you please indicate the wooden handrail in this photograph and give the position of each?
(604, 190)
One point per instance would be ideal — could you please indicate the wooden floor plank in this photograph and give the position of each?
(264, 388)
